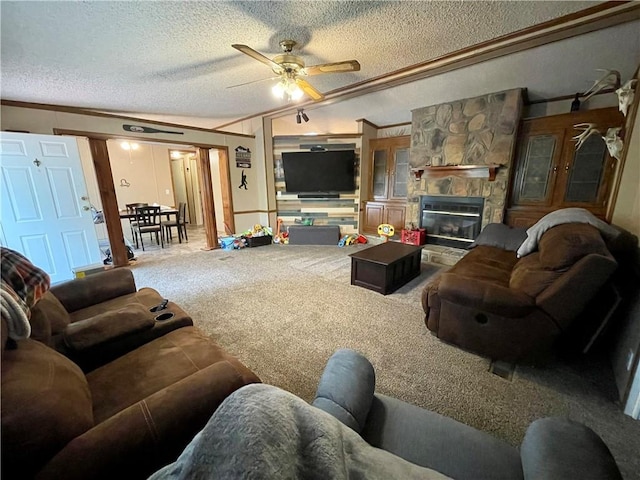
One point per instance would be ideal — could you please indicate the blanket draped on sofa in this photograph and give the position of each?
(263, 432)
(559, 217)
(23, 284)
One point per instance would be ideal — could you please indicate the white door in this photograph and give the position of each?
(45, 212)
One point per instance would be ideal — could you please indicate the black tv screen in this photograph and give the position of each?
(322, 172)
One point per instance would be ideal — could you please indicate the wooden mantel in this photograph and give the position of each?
(467, 171)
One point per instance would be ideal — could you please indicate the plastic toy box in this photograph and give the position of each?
(259, 241)
(414, 237)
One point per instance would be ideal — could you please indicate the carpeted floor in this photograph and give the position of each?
(283, 310)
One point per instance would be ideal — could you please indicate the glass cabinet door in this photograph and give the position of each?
(401, 173)
(379, 187)
(537, 169)
(587, 170)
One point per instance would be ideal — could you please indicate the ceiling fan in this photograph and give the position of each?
(289, 68)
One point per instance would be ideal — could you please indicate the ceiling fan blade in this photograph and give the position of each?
(253, 81)
(346, 66)
(309, 90)
(257, 56)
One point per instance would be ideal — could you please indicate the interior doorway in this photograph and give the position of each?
(186, 187)
(101, 165)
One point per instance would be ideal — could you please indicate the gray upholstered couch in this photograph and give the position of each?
(553, 448)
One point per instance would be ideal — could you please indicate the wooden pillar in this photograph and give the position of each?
(225, 185)
(107, 190)
(206, 194)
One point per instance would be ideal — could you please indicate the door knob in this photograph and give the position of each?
(85, 208)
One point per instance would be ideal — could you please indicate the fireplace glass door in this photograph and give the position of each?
(451, 221)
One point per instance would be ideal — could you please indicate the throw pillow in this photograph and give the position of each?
(501, 236)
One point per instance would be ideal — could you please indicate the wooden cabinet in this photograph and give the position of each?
(376, 213)
(551, 174)
(389, 181)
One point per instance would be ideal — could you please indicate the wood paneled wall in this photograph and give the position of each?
(342, 211)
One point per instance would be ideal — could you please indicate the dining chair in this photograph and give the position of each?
(148, 221)
(180, 223)
(131, 209)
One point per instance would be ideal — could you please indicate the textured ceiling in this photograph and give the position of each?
(175, 60)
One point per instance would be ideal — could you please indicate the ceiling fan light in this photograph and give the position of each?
(296, 92)
(279, 89)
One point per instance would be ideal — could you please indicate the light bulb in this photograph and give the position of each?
(296, 92)
(134, 146)
(279, 89)
(125, 145)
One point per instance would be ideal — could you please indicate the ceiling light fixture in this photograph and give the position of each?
(287, 88)
(301, 116)
(129, 146)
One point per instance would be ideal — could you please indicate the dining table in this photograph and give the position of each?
(168, 211)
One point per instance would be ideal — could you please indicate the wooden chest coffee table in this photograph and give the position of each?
(386, 267)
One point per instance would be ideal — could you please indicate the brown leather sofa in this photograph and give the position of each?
(515, 309)
(133, 410)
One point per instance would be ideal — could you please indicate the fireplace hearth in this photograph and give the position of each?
(451, 221)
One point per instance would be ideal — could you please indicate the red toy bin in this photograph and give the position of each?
(414, 237)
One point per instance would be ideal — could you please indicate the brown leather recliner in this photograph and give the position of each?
(125, 418)
(98, 318)
(512, 309)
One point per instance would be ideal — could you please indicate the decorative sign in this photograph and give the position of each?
(243, 157)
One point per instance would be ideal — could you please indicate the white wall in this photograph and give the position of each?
(146, 169)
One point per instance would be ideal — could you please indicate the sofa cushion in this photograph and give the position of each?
(563, 245)
(489, 264)
(431, 440)
(531, 277)
(45, 403)
(145, 296)
(154, 366)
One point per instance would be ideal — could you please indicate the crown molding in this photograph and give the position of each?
(94, 113)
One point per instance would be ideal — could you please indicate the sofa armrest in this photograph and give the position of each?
(84, 335)
(148, 435)
(558, 448)
(567, 297)
(484, 296)
(84, 292)
(346, 388)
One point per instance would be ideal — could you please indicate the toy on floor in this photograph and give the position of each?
(385, 231)
(352, 240)
(277, 236)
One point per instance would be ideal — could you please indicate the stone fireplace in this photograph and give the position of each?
(452, 146)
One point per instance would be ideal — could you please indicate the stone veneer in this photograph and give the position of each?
(474, 131)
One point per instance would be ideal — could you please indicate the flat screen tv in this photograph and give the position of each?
(329, 171)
